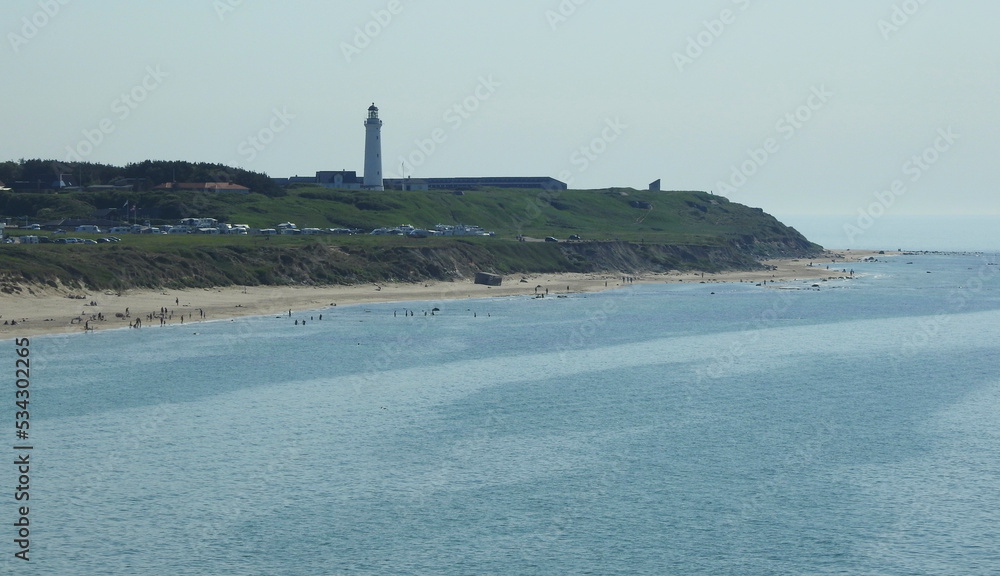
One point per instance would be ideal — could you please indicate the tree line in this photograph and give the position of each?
(142, 176)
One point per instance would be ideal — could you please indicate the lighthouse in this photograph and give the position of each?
(373, 150)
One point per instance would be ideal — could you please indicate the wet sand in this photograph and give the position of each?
(46, 310)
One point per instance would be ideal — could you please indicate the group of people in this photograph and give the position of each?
(303, 320)
(163, 315)
(99, 317)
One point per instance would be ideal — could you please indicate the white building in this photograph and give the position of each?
(195, 223)
(373, 150)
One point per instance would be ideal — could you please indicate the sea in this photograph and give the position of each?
(864, 231)
(847, 426)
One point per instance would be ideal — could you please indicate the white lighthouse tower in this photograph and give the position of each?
(373, 150)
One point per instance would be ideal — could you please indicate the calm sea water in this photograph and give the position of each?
(892, 231)
(662, 429)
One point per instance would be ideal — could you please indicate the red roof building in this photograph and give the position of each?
(204, 187)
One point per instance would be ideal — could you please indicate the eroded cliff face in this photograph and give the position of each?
(326, 263)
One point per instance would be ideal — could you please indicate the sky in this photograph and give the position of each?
(855, 107)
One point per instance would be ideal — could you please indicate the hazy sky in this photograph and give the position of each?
(795, 106)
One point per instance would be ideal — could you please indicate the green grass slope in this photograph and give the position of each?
(624, 230)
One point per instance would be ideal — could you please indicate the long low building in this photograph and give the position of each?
(204, 187)
(544, 183)
(349, 180)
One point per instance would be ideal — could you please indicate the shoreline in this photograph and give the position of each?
(44, 310)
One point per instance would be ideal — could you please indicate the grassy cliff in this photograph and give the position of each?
(621, 230)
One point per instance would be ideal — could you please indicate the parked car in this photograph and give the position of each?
(550, 239)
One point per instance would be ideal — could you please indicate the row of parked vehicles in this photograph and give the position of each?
(31, 239)
(210, 226)
(71, 240)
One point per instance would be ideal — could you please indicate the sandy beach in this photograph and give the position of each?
(37, 310)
